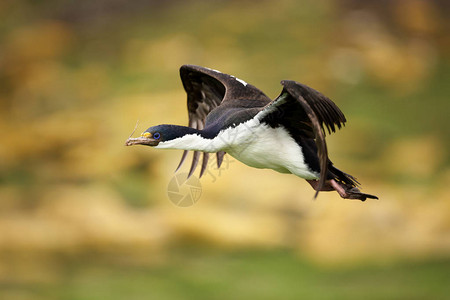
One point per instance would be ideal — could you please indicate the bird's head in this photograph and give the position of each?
(155, 135)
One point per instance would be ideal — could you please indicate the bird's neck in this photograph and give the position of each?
(187, 138)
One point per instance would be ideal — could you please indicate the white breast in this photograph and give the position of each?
(261, 146)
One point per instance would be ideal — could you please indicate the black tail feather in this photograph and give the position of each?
(342, 177)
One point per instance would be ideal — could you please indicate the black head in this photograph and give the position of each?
(159, 133)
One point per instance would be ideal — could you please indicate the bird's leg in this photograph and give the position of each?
(350, 192)
(346, 192)
(326, 187)
(338, 188)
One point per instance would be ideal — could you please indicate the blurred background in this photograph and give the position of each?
(83, 217)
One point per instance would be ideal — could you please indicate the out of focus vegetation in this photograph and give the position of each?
(83, 217)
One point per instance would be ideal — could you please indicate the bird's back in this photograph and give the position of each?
(231, 114)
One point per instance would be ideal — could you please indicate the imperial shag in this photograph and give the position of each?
(228, 115)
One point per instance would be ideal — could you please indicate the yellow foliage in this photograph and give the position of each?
(71, 92)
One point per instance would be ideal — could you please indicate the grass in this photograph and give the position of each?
(238, 275)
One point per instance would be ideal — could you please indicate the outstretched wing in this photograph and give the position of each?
(206, 89)
(308, 112)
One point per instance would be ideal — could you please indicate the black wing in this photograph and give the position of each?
(206, 89)
(307, 111)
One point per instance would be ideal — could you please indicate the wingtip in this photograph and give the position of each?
(204, 164)
(183, 157)
(316, 194)
(195, 159)
(220, 156)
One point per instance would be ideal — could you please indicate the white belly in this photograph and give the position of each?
(268, 148)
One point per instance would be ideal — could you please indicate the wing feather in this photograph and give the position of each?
(207, 89)
(309, 112)
(220, 156)
(204, 163)
(195, 159)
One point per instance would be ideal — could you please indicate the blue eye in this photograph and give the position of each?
(156, 135)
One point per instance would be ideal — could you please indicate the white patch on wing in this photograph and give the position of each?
(214, 70)
(255, 144)
(241, 81)
(237, 79)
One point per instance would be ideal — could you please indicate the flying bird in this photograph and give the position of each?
(228, 115)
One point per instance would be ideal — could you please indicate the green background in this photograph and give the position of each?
(83, 217)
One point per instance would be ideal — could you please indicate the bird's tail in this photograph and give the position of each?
(342, 177)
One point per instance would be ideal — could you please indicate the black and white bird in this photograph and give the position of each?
(228, 115)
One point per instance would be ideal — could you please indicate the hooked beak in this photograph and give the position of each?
(144, 139)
